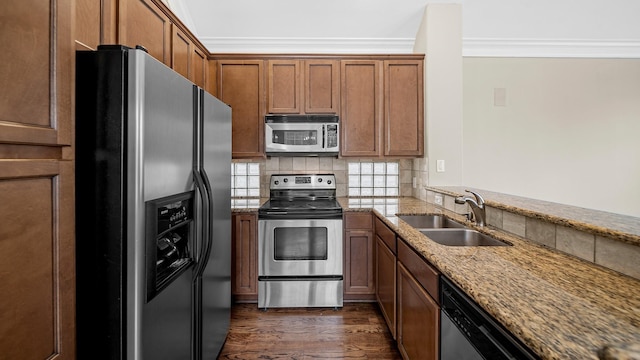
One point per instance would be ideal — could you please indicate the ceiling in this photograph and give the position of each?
(601, 28)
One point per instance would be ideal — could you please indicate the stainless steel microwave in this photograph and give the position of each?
(302, 135)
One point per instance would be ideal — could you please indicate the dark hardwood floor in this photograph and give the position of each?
(357, 331)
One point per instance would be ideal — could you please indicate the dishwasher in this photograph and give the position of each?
(467, 332)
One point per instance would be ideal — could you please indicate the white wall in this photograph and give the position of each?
(569, 133)
(552, 19)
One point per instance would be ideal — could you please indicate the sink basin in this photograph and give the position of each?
(461, 237)
(430, 221)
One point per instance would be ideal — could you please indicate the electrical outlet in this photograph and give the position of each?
(438, 199)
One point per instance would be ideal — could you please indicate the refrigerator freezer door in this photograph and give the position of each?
(216, 279)
(160, 162)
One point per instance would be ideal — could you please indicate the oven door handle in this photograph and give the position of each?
(203, 257)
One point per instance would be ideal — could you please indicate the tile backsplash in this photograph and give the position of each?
(339, 167)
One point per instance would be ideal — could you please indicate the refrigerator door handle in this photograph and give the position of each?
(203, 256)
(206, 252)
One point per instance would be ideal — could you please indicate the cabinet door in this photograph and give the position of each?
(38, 264)
(404, 110)
(180, 52)
(284, 87)
(361, 107)
(244, 278)
(321, 86)
(359, 270)
(386, 283)
(36, 74)
(88, 20)
(143, 23)
(241, 86)
(199, 67)
(418, 319)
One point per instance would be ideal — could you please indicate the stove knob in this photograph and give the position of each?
(286, 180)
(319, 179)
(276, 182)
(329, 182)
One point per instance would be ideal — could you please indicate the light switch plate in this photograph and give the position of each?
(499, 97)
(439, 165)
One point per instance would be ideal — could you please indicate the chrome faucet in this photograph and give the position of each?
(477, 206)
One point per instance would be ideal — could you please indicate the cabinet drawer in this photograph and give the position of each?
(362, 221)
(386, 234)
(426, 275)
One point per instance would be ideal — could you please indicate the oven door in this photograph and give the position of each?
(300, 247)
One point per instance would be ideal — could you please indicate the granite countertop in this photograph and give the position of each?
(621, 227)
(558, 305)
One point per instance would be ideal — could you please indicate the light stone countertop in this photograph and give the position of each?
(621, 227)
(558, 305)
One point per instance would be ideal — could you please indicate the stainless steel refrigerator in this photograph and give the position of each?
(153, 223)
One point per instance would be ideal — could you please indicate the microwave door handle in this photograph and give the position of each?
(324, 136)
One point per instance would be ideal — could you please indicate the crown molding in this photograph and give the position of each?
(471, 47)
(180, 9)
(309, 45)
(561, 48)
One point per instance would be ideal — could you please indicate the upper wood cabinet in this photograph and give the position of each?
(321, 86)
(361, 107)
(404, 109)
(36, 73)
(284, 87)
(241, 86)
(199, 68)
(303, 86)
(382, 108)
(186, 58)
(379, 99)
(88, 24)
(181, 51)
(142, 22)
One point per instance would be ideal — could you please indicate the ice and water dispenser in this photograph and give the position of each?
(169, 229)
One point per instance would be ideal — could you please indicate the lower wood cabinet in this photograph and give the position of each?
(386, 284)
(244, 261)
(37, 246)
(418, 314)
(386, 274)
(359, 280)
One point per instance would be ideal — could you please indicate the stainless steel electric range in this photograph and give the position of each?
(300, 243)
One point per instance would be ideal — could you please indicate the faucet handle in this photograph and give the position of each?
(479, 198)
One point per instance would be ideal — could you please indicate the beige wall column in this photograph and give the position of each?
(440, 38)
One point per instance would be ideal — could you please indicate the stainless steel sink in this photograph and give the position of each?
(461, 237)
(430, 221)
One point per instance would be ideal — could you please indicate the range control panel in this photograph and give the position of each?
(302, 181)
